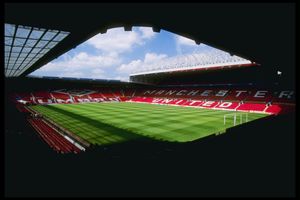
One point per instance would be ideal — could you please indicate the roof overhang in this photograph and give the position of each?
(264, 33)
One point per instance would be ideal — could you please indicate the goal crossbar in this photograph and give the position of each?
(235, 116)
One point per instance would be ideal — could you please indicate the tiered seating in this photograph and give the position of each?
(252, 107)
(116, 93)
(245, 100)
(236, 95)
(179, 102)
(172, 93)
(219, 105)
(218, 94)
(145, 93)
(42, 97)
(217, 98)
(97, 97)
(187, 93)
(209, 104)
(119, 94)
(193, 103)
(228, 105)
(82, 98)
(52, 138)
(107, 93)
(185, 102)
(23, 98)
(276, 109)
(142, 99)
(132, 92)
(62, 97)
(262, 96)
(286, 97)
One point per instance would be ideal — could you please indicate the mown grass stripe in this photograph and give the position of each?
(107, 123)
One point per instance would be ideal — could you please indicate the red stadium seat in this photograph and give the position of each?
(251, 100)
(52, 137)
(252, 107)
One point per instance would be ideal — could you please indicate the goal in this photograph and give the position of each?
(235, 118)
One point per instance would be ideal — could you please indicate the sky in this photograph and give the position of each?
(118, 53)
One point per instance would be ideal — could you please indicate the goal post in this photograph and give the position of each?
(238, 118)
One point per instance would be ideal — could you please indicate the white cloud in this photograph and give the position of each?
(122, 78)
(153, 57)
(97, 73)
(108, 61)
(184, 41)
(130, 67)
(81, 65)
(134, 65)
(115, 40)
(118, 41)
(71, 74)
(80, 61)
(147, 32)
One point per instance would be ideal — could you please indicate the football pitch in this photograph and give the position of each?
(112, 122)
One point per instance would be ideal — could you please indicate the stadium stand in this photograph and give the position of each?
(82, 98)
(284, 96)
(219, 98)
(107, 93)
(61, 97)
(247, 100)
(259, 96)
(52, 137)
(97, 97)
(252, 107)
(42, 97)
(131, 92)
(117, 93)
(227, 105)
(236, 95)
(22, 98)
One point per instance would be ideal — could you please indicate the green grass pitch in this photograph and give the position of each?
(107, 123)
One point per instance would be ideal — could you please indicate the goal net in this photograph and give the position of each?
(235, 118)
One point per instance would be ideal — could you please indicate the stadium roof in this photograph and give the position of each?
(194, 61)
(264, 33)
(25, 45)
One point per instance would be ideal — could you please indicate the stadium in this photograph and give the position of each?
(214, 124)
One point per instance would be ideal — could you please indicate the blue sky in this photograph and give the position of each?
(117, 53)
